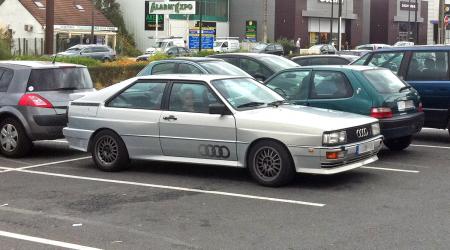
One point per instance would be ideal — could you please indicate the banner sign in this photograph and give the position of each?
(208, 35)
(251, 30)
(171, 7)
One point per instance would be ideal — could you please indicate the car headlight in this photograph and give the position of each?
(375, 129)
(332, 138)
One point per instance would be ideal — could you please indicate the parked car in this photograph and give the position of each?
(164, 43)
(259, 66)
(227, 44)
(324, 60)
(218, 120)
(192, 65)
(268, 48)
(362, 90)
(171, 51)
(98, 52)
(403, 44)
(373, 46)
(33, 101)
(426, 68)
(321, 49)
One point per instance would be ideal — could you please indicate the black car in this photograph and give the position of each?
(324, 60)
(260, 66)
(268, 48)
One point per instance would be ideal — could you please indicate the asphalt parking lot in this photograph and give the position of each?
(56, 199)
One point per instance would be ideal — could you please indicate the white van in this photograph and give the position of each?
(165, 43)
(227, 44)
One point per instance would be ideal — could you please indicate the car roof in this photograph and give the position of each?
(189, 77)
(338, 67)
(193, 59)
(253, 55)
(314, 56)
(416, 47)
(40, 64)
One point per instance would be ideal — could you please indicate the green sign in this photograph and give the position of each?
(251, 29)
(150, 19)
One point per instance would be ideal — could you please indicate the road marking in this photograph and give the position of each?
(393, 169)
(45, 241)
(429, 146)
(44, 164)
(193, 190)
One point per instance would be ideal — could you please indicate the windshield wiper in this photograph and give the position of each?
(277, 103)
(405, 88)
(251, 104)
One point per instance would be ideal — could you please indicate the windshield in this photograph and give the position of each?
(384, 81)
(218, 44)
(278, 63)
(244, 93)
(223, 68)
(161, 44)
(70, 78)
(260, 46)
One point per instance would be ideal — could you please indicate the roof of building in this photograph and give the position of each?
(67, 13)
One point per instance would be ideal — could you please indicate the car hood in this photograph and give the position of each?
(296, 118)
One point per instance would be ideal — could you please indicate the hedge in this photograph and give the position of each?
(108, 74)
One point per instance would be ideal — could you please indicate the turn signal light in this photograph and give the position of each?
(332, 155)
(381, 113)
(34, 100)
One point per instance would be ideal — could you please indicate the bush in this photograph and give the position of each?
(107, 74)
(204, 53)
(287, 44)
(5, 50)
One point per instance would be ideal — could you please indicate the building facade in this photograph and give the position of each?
(139, 22)
(25, 19)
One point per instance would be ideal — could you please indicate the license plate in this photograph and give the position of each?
(405, 105)
(365, 147)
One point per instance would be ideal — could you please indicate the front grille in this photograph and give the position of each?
(360, 133)
(350, 161)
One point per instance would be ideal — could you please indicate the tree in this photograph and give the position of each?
(125, 41)
(5, 44)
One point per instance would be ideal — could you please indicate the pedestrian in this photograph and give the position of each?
(298, 45)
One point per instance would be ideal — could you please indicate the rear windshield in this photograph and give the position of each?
(70, 78)
(278, 63)
(384, 81)
(223, 68)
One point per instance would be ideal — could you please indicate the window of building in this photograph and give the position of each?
(39, 4)
(79, 7)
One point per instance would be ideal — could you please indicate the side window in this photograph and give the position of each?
(231, 60)
(254, 68)
(337, 61)
(318, 61)
(164, 68)
(330, 85)
(225, 45)
(361, 60)
(87, 50)
(389, 61)
(191, 97)
(429, 66)
(270, 48)
(6, 76)
(184, 68)
(301, 61)
(294, 85)
(142, 95)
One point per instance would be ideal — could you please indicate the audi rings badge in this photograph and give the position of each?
(214, 151)
(362, 132)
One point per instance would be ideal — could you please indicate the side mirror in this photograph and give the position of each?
(218, 109)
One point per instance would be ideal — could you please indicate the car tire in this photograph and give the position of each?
(398, 144)
(14, 141)
(109, 152)
(270, 164)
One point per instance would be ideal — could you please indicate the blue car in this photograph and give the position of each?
(426, 69)
(192, 65)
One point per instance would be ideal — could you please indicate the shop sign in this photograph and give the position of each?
(84, 28)
(330, 1)
(150, 21)
(251, 30)
(172, 7)
(407, 6)
(208, 35)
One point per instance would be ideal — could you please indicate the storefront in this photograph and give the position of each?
(70, 35)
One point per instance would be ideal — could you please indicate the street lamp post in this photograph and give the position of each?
(340, 25)
(331, 21)
(200, 28)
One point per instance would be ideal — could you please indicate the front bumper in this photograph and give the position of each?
(402, 126)
(313, 160)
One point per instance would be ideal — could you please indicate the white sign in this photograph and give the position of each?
(172, 7)
(78, 27)
(330, 1)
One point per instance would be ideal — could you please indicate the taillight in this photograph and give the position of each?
(381, 113)
(34, 100)
(420, 109)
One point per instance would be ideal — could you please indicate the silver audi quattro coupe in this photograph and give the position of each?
(218, 120)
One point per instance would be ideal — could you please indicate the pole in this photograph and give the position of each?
(156, 28)
(92, 23)
(200, 45)
(409, 20)
(265, 22)
(49, 26)
(441, 22)
(339, 26)
(416, 24)
(331, 21)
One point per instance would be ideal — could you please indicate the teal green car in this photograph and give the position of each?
(370, 91)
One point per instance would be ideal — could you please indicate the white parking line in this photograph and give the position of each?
(429, 146)
(393, 169)
(193, 190)
(45, 241)
(44, 164)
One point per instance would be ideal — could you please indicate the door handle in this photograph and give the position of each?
(170, 117)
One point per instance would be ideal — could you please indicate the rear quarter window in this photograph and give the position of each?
(384, 81)
(6, 76)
